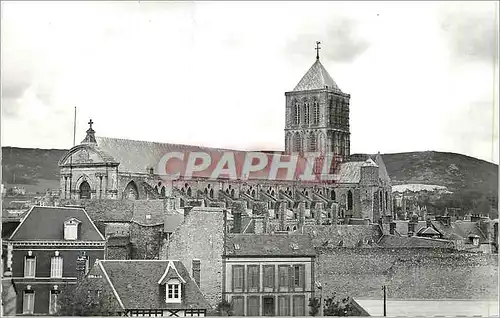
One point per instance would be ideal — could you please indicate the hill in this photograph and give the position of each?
(37, 168)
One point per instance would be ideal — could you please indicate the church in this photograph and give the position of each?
(317, 120)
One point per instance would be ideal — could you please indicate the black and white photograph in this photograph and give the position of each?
(250, 158)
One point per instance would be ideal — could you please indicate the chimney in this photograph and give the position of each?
(318, 211)
(302, 213)
(196, 271)
(282, 214)
(238, 209)
(392, 228)
(259, 224)
(335, 213)
(428, 222)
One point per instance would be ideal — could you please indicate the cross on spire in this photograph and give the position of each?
(90, 123)
(317, 49)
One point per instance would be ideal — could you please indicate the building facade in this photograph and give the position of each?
(269, 275)
(50, 250)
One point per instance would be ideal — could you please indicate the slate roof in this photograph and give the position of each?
(383, 174)
(460, 230)
(316, 77)
(349, 235)
(349, 172)
(172, 221)
(47, 223)
(136, 283)
(138, 156)
(269, 245)
(402, 227)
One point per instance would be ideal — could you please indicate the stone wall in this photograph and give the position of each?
(146, 241)
(408, 273)
(201, 237)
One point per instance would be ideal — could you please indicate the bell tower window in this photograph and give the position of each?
(296, 114)
(316, 113)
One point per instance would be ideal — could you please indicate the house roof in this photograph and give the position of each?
(402, 227)
(316, 77)
(430, 308)
(136, 284)
(269, 245)
(47, 223)
(428, 231)
(383, 174)
(172, 222)
(460, 230)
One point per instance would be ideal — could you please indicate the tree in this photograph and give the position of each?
(80, 301)
(333, 306)
(314, 306)
(224, 308)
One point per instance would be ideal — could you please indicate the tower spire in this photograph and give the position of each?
(317, 49)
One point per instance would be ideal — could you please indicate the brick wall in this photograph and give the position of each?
(408, 273)
(201, 237)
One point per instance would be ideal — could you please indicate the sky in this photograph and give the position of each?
(422, 75)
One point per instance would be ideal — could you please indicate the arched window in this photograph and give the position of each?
(297, 143)
(349, 200)
(85, 190)
(272, 193)
(253, 193)
(162, 191)
(316, 113)
(296, 114)
(131, 192)
(189, 191)
(312, 143)
(205, 191)
(232, 193)
(332, 195)
(212, 193)
(381, 202)
(306, 113)
(386, 200)
(156, 188)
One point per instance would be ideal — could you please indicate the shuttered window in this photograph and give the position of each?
(283, 275)
(253, 276)
(283, 306)
(56, 267)
(268, 276)
(238, 276)
(253, 306)
(238, 306)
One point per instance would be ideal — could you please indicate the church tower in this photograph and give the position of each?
(317, 115)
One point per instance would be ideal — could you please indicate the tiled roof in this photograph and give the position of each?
(402, 227)
(428, 231)
(412, 242)
(317, 77)
(460, 230)
(138, 156)
(269, 245)
(47, 223)
(136, 283)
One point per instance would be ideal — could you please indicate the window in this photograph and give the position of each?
(53, 306)
(268, 276)
(56, 267)
(238, 276)
(29, 266)
(296, 114)
(298, 275)
(316, 113)
(253, 306)
(283, 306)
(306, 113)
(283, 275)
(173, 291)
(71, 229)
(312, 142)
(238, 306)
(28, 302)
(349, 200)
(253, 276)
(299, 305)
(297, 143)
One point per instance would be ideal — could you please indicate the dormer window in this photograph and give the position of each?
(173, 291)
(172, 282)
(294, 246)
(71, 229)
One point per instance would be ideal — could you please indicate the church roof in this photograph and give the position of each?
(138, 156)
(317, 77)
